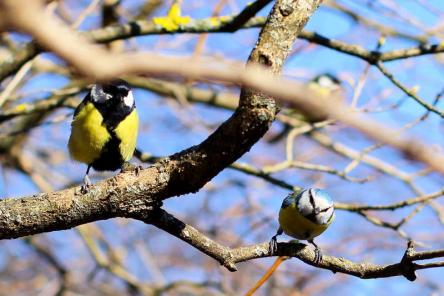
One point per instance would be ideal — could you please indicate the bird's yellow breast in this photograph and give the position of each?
(88, 134)
(126, 131)
(294, 224)
(322, 91)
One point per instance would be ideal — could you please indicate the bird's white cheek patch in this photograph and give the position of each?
(129, 99)
(304, 205)
(324, 217)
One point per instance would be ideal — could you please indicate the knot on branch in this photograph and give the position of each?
(227, 261)
(374, 57)
(148, 214)
(286, 9)
(407, 266)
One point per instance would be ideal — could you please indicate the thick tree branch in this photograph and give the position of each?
(126, 194)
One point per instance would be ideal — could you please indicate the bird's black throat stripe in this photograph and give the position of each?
(113, 111)
(316, 210)
(110, 159)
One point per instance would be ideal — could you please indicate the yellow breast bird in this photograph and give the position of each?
(104, 128)
(304, 216)
(324, 85)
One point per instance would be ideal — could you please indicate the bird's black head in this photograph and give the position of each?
(112, 93)
(113, 99)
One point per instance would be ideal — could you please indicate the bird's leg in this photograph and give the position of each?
(128, 166)
(318, 253)
(138, 169)
(86, 182)
(273, 241)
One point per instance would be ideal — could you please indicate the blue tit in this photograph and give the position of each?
(304, 216)
(325, 85)
(104, 128)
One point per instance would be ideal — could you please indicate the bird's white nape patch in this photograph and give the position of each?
(129, 99)
(98, 94)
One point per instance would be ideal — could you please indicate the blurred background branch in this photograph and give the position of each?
(187, 81)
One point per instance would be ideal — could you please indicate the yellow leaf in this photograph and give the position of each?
(174, 20)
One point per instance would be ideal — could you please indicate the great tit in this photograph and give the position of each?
(304, 216)
(104, 128)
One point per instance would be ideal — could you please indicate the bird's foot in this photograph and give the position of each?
(318, 256)
(87, 184)
(273, 245)
(318, 253)
(138, 169)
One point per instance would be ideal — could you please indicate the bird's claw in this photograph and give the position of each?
(273, 245)
(318, 256)
(86, 186)
(138, 169)
(318, 253)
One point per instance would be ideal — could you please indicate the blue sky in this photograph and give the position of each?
(167, 127)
